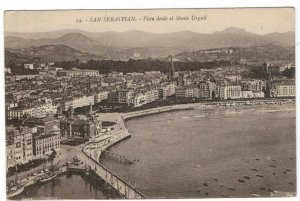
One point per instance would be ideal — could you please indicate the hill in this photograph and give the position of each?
(138, 44)
(46, 53)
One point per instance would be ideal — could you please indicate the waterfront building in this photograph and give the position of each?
(253, 85)
(252, 94)
(20, 140)
(44, 143)
(138, 100)
(75, 72)
(185, 92)
(283, 90)
(80, 128)
(10, 155)
(112, 97)
(166, 91)
(121, 96)
(152, 95)
(229, 92)
(207, 90)
(124, 95)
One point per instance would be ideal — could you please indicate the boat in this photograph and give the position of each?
(15, 190)
(17, 187)
(48, 177)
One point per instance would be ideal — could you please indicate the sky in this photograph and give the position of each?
(254, 20)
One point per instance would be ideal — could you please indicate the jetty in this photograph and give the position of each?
(118, 157)
(125, 189)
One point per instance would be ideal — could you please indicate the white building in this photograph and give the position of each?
(252, 94)
(230, 92)
(78, 102)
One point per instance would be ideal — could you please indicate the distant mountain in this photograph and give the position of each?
(263, 53)
(138, 44)
(46, 53)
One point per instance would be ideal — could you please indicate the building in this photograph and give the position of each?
(166, 91)
(19, 145)
(121, 96)
(75, 72)
(78, 102)
(253, 85)
(10, 155)
(180, 79)
(230, 92)
(102, 95)
(252, 94)
(124, 96)
(45, 143)
(185, 92)
(19, 113)
(44, 125)
(80, 128)
(138, 100)
(112, 97)
(152, 95)
(207, 90)
(283, 88)
(273, 69)
(45, 108)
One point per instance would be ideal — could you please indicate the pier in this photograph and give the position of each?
(125, 189)
(120, 158)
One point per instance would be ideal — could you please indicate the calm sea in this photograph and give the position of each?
(199, 153)
(211, 153)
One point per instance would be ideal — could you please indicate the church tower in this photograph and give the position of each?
(171, 70)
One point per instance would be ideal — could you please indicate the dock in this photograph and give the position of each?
(118, 157)
(125, 189)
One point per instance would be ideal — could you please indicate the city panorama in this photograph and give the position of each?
(150, 109)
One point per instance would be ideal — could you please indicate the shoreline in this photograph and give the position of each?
(206, 105)
(125, 134)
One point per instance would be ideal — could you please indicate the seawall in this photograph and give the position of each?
(141, 113)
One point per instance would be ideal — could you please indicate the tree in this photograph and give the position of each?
(289, 72)
(52, 156)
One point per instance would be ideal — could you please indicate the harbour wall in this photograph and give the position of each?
(141, 113)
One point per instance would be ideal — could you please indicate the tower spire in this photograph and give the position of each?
(171, 69)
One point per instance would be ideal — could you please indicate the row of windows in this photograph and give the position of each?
(47, 140)
(47, 145)
(47, 150)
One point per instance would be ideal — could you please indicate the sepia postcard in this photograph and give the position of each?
(146, 104)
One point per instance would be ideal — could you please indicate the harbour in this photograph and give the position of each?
(112, 170)
(225, 167)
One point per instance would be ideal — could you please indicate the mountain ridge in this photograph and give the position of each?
(136, 44)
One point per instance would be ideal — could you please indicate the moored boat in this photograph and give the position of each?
(48, 177)
(15, 190)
